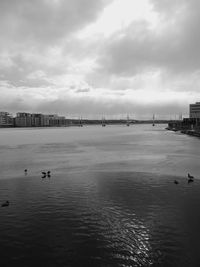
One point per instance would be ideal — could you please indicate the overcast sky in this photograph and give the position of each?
(94, 57)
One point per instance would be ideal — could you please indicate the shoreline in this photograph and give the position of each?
(185, 131)
(89, 123)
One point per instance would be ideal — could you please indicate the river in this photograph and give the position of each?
(110, 201)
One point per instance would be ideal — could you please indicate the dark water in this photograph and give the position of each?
(101, 207)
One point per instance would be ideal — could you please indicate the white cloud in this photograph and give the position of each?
(119, 15)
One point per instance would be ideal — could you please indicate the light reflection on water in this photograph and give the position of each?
(97, 209)
(123, 219)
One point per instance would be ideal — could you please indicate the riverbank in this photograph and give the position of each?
(84, 122)
(188, 132)
(188, 129)
(191, 132)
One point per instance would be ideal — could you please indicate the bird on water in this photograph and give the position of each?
(44, 174)
(190, 176)
(5, 204)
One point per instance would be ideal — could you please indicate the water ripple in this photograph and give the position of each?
(110, 220)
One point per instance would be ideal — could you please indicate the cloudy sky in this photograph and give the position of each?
(94, 57)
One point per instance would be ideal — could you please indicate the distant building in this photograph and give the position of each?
(195, 110)
(23, 119)
(37, 120)
(55, 120)
(6, 120)
(45, 120)
(52, 120)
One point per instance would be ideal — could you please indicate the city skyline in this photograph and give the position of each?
(99, 57)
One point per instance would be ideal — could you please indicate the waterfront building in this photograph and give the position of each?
(23, 119)
(6, 119)
(59, 121)
(46, 120)
(195, 111)
(52, 120)
(36, 120)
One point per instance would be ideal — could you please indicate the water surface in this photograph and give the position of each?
(111, 199)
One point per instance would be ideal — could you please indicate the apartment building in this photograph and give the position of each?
(6, 119)
(23, 119)
(195, 111)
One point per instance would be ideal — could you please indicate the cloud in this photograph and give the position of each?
(84, 90)
(88, 107)
(173, 47)
(54, 54)
(40, 35)
(45, 21)
(93, 103)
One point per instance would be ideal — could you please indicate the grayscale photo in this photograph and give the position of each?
(100, 133)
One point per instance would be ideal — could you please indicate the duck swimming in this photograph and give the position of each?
(190, 176)
(44, 174)
(5, 204)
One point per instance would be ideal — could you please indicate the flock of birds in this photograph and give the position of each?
(44, 175)
(48, 174)
(190, 179)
